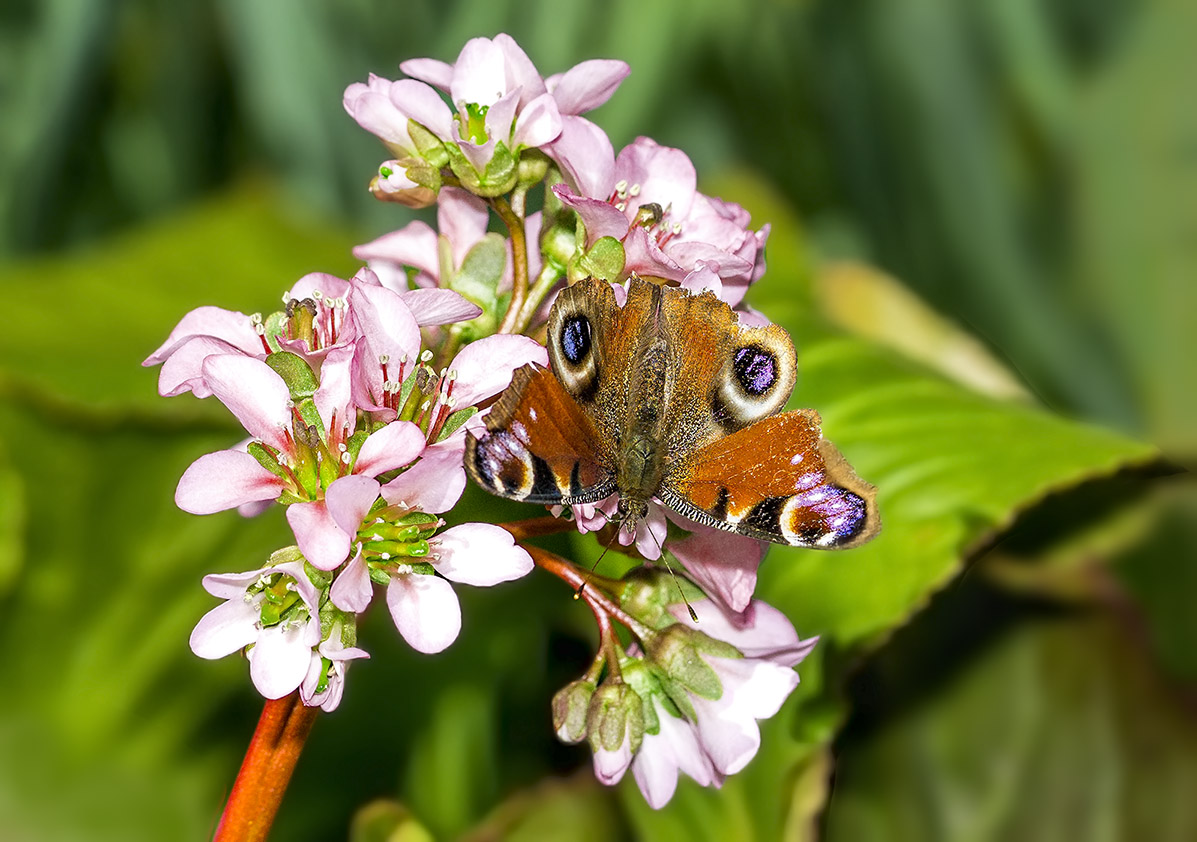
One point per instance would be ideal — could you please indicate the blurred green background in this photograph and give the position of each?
(984, 243)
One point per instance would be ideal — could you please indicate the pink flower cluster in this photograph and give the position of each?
(362, 440)
(353, 429)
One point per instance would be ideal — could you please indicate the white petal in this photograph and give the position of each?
(480, 554)
(280, 659)
(727, 727)
(609, 766)
(425, 611)
(225, 629)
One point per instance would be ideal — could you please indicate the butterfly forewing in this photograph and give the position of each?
(540, 446)
(777, 480)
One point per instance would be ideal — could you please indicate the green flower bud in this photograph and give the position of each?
(570, 707)
(533, 165)
(678, 652)
(615, 710)
(605, 259)
(296, 373)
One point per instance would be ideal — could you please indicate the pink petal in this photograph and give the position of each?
(334, 396)
(480, 554)
(375, 113)
(461, 218)
(702, 279)
(538, 123)
(650, 533)
(226, 628)
(662, 755)
(254, 393)
(321, 541)
(587, 158)
(349, 500)
(479, 74)
(351, 590)
(183, 368)
(328, 286)
(224, 480)
(390, 447)
(230, 585)
(760, 631)
(642, 256)
(665, 175)
(588, 85)
(214, 322)
(600, 218)
(424, 105)
(722, 564)
(385, 321)
(478, 155)
(500, 121)
(727, 727)
(279, 660)
(436, 73)
(412, 245)
(439, 306)
(435, 483)
(521, 72)
(425, 611)
(688, 254)
(484, 368)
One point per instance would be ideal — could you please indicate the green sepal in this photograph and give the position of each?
(301, 381)
(640, 677)
(570, 706)
(430, 147)
(320, 578)
(417, 519)
(421, 172)
(276, 326)
(377, 576)
(399, 549)
(605, 259)
(285, 555)
(678, 652)
(454, 422)
(676, 696)
(422, 567)
(502, 172)
(266, 459)
(310, 413)
(533, 165)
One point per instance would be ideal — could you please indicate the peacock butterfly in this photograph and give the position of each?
(669, 397)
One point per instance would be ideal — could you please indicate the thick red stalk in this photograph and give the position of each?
(266, 770)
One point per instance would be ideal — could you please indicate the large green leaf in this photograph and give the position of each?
(1062, 732)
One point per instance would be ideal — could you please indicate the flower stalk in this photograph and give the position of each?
(266, 770)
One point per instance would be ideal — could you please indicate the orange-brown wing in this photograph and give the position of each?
(777, 480)
(540, 446)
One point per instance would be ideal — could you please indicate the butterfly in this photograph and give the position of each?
(669, 397)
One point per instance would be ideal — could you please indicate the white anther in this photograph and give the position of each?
(425, 355)
(383, 359)
(634, 190)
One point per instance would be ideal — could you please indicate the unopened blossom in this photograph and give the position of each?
(668, 229)
(273, 610)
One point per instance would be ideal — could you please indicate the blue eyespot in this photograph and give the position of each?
(575, 339)
(756, 369)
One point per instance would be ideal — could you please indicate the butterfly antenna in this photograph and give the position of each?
(593, 567)
(665, 558)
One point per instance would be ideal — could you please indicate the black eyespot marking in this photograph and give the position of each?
(575, 339)
(755, 368)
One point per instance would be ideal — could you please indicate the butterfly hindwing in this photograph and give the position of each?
(540, 447)
(777, 480)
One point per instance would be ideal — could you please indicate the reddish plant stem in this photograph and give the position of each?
(598, 600)
(266, 770)
(519, 264)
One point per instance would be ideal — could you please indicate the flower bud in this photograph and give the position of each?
(678, 652)
(616, 714)
(605, 259)
(532, 168)
(570, 706)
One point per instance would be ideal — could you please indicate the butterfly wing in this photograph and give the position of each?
(540, 447)
(778, 480)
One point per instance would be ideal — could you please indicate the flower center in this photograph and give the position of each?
(657, 221)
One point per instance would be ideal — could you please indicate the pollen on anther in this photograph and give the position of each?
(383, 359)
(345, 458)
(621, 206)
(425, 355)
(622, 185)
(634, 190)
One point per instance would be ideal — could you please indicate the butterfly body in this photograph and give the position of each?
(668, 397)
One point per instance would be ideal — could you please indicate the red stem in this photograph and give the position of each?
(269, 761)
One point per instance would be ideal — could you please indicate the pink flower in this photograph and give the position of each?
(303, 462)
(421, 600)
(583, 150)
(723, 735)
(260, 612)
(384, 108)
(669, 229)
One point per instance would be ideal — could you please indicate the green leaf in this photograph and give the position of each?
(1063, 732)
(76, 333)
(950, 467)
